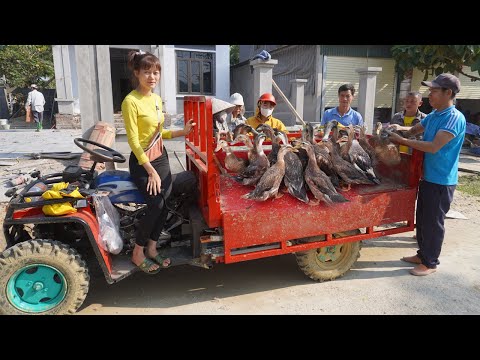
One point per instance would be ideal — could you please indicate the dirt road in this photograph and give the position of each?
(379, 283)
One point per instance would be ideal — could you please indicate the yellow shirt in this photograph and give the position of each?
(141, 120)
(254, 122)
(407, 121)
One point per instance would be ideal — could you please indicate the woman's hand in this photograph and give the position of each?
(189, 127)
(154, 183)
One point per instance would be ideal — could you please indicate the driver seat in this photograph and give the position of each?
(120, 186)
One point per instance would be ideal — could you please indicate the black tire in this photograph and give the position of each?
(54, 254)
(330, 262)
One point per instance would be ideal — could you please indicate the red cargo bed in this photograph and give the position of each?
(254, 229)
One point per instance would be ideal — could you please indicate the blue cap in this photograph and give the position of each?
(264, 55)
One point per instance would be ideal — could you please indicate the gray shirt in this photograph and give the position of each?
(398, 118)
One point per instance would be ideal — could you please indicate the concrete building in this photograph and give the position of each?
(326, 67)
(92, 80)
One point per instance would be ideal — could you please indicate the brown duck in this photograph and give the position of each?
(322, 155)
(344, 169)
(243, 129)
(248, 144)
(359, 157)
(268, 130)
(294, 179)
(268, 185)
(318, 182)
(232, 162)
(365, 144)
(385, 151)
(258, 164)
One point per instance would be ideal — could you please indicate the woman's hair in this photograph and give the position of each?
(141, 60)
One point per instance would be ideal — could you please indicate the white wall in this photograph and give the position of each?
(222, 75)
(168, 86)
(341, 70)
(168, 83)
(469, 89)
(73, 70)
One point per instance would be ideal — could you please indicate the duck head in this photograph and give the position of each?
(222, 144)
(281, 135)
(330, 125)
(243, 139)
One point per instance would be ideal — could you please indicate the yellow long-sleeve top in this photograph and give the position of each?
(254, 121)
(141, 120)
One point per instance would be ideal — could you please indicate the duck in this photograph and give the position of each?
(258, 163)
(322, 155)
(268, 130)
(268, 185)
(318, 182)
(344, 169)
(359, 157)
(385, 151)
(365, 144)
(248, 144)
(302, 153)
(294, 179)
(243, 129)
(232, 162)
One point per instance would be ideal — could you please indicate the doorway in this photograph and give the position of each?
(121, 84)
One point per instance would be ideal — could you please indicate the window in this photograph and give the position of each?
(195, 72)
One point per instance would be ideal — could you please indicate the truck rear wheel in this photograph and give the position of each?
(42, 277)
(329, 262)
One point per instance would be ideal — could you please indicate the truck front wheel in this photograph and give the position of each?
(329, 262)
(42, 277)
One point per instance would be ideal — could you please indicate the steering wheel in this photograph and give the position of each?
(105, 154)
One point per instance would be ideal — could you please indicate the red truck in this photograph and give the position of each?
(46, 266)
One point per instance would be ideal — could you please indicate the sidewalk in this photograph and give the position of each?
(18, 143)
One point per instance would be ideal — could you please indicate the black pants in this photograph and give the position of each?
(151, 225)
(433, 203)
(38, 116)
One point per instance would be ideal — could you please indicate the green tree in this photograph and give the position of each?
(234, 54)
(23, 65)
(437, 59)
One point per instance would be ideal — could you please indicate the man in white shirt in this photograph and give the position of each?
(36, 100)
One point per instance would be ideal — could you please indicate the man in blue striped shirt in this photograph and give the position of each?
(443, 134)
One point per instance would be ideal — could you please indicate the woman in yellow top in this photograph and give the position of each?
(142, 112)
(263, 113)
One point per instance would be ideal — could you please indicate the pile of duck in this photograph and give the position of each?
(343, 157)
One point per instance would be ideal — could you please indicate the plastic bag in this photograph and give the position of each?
(109, 223)
(58, 191)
